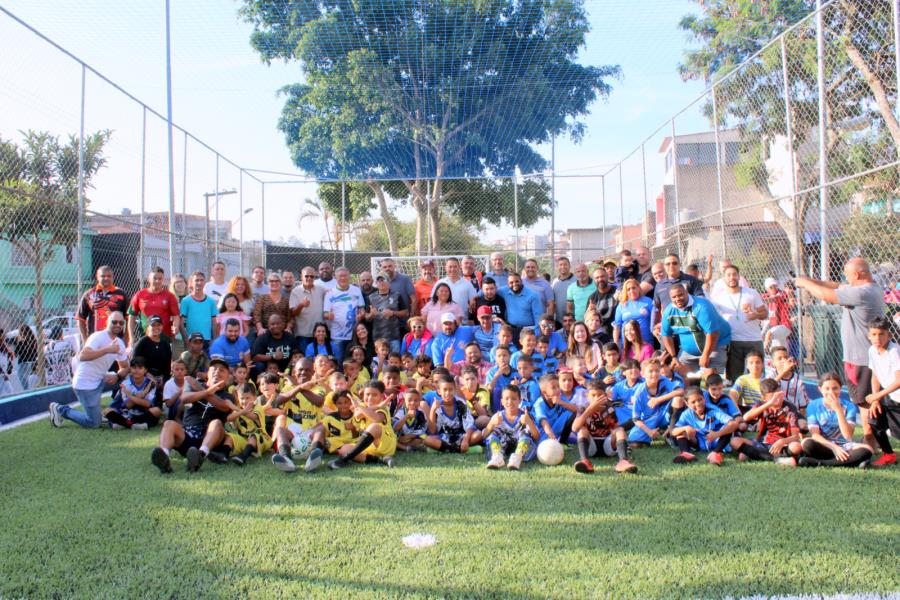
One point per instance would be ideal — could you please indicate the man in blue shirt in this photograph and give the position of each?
(452, 338)
(523, 306)
(231, 346)
(702, 333)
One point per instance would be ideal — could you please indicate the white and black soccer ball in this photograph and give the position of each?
(550, 452)
(300, 447)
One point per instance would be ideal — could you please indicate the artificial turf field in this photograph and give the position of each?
(85, 514)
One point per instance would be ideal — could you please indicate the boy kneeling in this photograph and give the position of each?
(599, 432)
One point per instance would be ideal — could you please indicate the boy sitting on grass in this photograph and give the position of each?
(173, 389)
(553, 415)
(702, 427)
(338, 425)
(831, 421)
(301, 414)
(779, 428)
(599, 432)
(245, 429)
(511, 433)
(745, 391)
(451, 427)
(622, 393)
(377, 443)
(131, 408)
(410, 423)
(717, 398)
(652, 400)
(478, 399)
(784, 371)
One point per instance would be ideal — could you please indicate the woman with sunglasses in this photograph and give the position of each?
(270, 304)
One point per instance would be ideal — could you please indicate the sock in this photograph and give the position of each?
(584, 447)
(166, 450)
(683, 444)
(365, 440)
(246, 452)
(755, 453)
(676, 412)
(523, 446)
(881, 437)
(318, 445)
(495, 447)
(445, 447)
(722, 442)
(622, 449)
(204, 450)
(114, 417)
(371, 460)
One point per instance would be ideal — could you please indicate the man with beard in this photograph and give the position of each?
(743, 309)
(702, 333)
(523, 306)
(603, 302)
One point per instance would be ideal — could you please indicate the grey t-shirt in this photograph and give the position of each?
(560, 287)
(861, 304)
(305, 322)
(386, 327)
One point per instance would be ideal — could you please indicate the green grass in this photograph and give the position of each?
(85, 514)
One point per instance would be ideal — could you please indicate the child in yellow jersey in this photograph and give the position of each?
(356, 376)
(336, 383)
(745, 392)
(240, 376)
(301, 415)
(377, 442)
(245, 429)
(478, 399)
(339, 428)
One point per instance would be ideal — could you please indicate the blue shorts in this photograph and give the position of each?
(705, 446)
(557, 425)
(659, 421)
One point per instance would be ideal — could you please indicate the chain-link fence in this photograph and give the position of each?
(795, 172)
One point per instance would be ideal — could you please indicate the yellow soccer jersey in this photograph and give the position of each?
(245, 427)
(302, 411)
(232, 389)
(387, 445)
(338, 432)
(329, 406)
(482, 397)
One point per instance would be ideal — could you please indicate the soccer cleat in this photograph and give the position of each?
(313, 461)
(584, 466)
(714, 458)
(788, 461)
(283, 463)
(496, 461)
(515, 461)
(808, 461)
(388, 461)
(885, 460)
(626, 466)
(684, 457)
(116, 426)
(338, 463)
(139, 426)
(161, 460)
(217, 457)
(195, 460)
(238, 460)
(56, 418)
(742, 457)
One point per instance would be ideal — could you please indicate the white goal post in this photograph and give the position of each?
(409, 265)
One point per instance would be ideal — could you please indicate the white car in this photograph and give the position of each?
(69, 326)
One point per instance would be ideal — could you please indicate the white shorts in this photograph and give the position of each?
(295, 429)
(607, 447)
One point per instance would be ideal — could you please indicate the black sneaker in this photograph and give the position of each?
(238, 460)
(388, 461)
(195, 460)
(338, 463)
(161, 460)
(217, 457)
(808, 461)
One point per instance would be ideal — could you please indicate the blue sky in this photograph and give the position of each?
(225, 97)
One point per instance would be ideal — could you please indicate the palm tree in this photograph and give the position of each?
(315, 209)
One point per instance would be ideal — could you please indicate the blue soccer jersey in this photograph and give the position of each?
(652, 417)
(724, 403)
(556, 415)
(531, 392)
(713, 420)
(502, 382)
(827, 421)
(622, 396)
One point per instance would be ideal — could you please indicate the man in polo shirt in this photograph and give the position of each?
(155, 299)
(523, 307)
(540, 286)
(703, 334)
(460, 287)
(451, 341)
(307, 300)
(99, 302)
(578, 294)
(233, 348)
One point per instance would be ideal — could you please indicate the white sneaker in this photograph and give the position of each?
(139, 426)
(116, 426)
(283, 463)
(515, 461)
(496, 461)
(56, 419)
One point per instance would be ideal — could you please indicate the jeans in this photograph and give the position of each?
(90, 402)
(339, 346)
(395, 345)
(24, 371)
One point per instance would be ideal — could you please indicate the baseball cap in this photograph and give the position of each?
(381, 275)
(155, 319)
(448, 317)
(769, 282)
(217, 359)
(484, 311)
(426, 263)
(196, 336)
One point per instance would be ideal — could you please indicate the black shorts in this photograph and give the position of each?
(193, 438)
(859, 383)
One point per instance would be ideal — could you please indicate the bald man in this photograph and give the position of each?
(861, 301)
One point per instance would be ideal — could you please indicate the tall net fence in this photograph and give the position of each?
(795, 171)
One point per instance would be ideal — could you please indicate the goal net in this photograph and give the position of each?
(409, 265)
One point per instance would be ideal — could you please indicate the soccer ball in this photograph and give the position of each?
(550, 452)
(300, 447)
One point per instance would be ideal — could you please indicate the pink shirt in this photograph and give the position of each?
(244, 318)
(432, 313)
(646, 353)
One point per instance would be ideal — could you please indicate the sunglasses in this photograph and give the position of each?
(670, 263)
(274, 281)
(309, 277)
(117, 322)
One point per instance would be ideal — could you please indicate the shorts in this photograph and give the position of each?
(765, 447)
(333, 444)
(386, 446)
(859, 383)
(659, 421)
(508, 448)
(604, 445)
(239, 442)
(193, 438)
(295, 429)
(718, 359)
(451, 437)
(704, 446)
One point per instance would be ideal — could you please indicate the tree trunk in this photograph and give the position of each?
(385, 216)
(40, 365)
(435, 210)
(421, 206)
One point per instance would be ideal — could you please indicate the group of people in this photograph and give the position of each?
(498, 361)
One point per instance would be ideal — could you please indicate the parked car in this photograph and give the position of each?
(69, 326)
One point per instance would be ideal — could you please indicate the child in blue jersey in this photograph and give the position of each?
(437, 375)
(556, 343)
(570, 391)
(529, 348)
(551, 363)
(831, 421)
(717, 398)
(499, 376)
(702, 427)
(553, 415)
(611, 371)
(621, 394)
(599, 432)
(652, 400)
(451, 427)
(410, 423)
(511, 433)
(504, 338)
(132, 407)
(528, 384)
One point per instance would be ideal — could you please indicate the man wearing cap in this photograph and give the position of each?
(231, 346)
(779, 304)
(91, 373)
(203, 426)
(195, 357)
(424, 286)
(743, 309)
(452, 340)
(387, 311)
(98, 302)
(523, 306)
(156, 351)
(491, 299)
(486, 331)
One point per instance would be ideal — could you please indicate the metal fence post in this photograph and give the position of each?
(241, 220)
(170, 142)
(217, 211)
(645, 226)
(343, 223)
(262, 221)
(80, 233)
(824, 267)
(675, 188)
(603, 212)
(141, 268)
(516, 215)
(718, 168)
(621, 209)
(552, 198)
(183, 263)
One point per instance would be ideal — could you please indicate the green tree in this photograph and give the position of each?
(862, 129)
(874, 236)
(458, 237)
(39, 188)
(414, 89)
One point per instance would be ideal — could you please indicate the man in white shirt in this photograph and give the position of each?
(343, 307)
(461, 289)
(91, 373)
(719, 284)
(307, 300)
(326, 278)
(216, 287)
(743, 308)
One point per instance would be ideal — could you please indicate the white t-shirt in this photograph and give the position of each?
(215, 290)
(328, 285)
(88, 375)
(884, 366)
(463, 291)
(729, 306)
(171, 389)
(344, 304)
(719, 285)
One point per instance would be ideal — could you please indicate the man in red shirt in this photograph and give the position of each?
(779, 304)
(425, 284)
(98, 302)
(154, 300)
